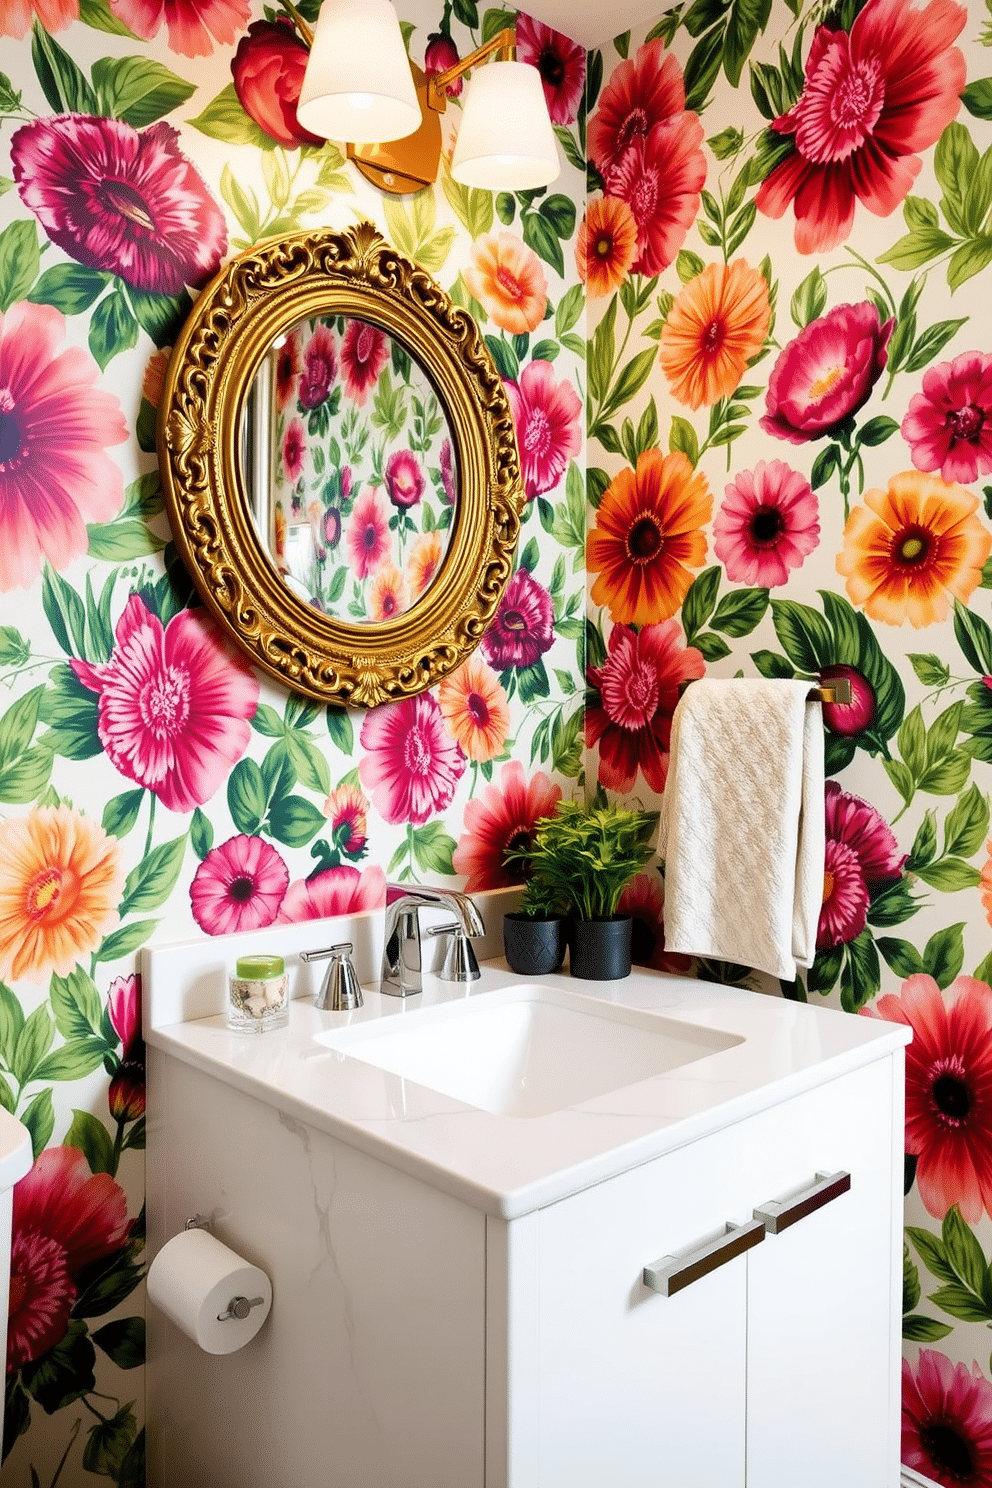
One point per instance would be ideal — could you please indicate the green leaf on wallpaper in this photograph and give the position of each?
(931, 341)
(967, 824)
(930, 670)
(803, 634)
(748, 18)
(924, 848)
(97, 13)
(295, 821)
(809, 300)
(65, 86)
(968, 260)
(33, 1042)
(569, 310)
(225, 119)
(542, 238)
(247, 797)
(39, 1118)
(122, 540)
(901, 957)
(412, 229)
(700, 602)
(917, 248)
(70, 287)
(910, 1281)
(278, 771)
(770, 664)
(433, 849)
(950, 875)
(311, 765)
(860, 973)
(943, 954)
(983, 971)
(916, 1328)
(73, 1061)
(467, 12)
(340, 728)
(123, 1340)
(711, 646)
(149, 885)
(601, 351)
(20, 256)
(703, 14)
(701, 69)
(974, 636)
(495, 20)
(27, 777)
(201, 834)
(11, 1023)
(14, 649)
(472, 206)
(70, 710)
(10, 99)
(126, 940)
(977, 98)
(107, 1442)
(160, 316)
(955, 162)
(740, 611)
(138, 90)
(76, 1005)
(113, 328)
(630, 381)
(570, 146)
(726, 144)
(877, 430)
(18, 724)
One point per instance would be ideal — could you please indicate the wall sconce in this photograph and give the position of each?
(360, 85)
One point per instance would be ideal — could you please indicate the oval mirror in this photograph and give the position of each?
(340, 466)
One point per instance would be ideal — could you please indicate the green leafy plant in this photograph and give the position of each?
(582, 859)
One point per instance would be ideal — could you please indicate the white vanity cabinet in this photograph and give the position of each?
(774, 1370)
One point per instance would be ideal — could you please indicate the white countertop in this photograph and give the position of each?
(510, 1165)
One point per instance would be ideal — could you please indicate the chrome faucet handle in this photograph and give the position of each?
(455, 960)
(401, 964)
(340, 991)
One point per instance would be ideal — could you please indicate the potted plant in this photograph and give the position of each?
(584, 857)
(535, 937)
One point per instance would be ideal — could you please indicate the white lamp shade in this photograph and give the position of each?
(358, 84)
(505, 140)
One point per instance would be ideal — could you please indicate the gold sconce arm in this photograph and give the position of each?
(503, 46)
(298, 21)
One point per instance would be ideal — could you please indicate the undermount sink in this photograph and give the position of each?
(526, 1050)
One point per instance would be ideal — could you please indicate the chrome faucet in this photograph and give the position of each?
(401, 964)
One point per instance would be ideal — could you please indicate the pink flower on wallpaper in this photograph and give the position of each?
(411, 767)
(65, 1219)
(446, 462)
(948, 1090)
(126, 1095)
(346, 810)
(643, 91)
(119, 200)
(630, 723)
(16, 16)
(289, 365)
(947, 1421)
(364, 353)
(644, 900)
(548, 419)
(294, 448)
(872, 99)
(335, 891)
(862, 855)
(441, 54)
(404, 479)
(320, 365)
(368, 533)
(948, 426)
(174, 704)
(238, 886)
(523, 627)
(501, 816)
(194, 25)
(768, 524)
(55, 474)
(827, 373)
(660, 177)
(561, 63)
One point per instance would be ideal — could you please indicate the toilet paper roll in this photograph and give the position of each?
(204, 1287)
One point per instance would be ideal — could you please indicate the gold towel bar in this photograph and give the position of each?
(837, 691)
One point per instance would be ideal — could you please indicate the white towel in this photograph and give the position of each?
(742, 824)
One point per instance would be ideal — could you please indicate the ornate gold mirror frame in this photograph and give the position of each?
(256, 299)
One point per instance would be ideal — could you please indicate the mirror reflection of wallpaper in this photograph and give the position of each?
(363, 480)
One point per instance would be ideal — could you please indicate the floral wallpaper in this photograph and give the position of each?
(151, 784)
(787, 249)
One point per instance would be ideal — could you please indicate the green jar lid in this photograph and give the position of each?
(258, 968)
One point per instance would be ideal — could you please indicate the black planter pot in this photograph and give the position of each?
(534, 947)
(600, 949)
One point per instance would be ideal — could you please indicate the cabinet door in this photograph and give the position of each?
(822, 1374)
(636, 1389)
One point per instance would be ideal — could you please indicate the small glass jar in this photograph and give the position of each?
(259, 995)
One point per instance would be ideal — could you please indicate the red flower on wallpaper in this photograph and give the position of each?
(872, 99)
(194, 25)
(16, 16)
(561, 63)
(320, 365)
(948, 425)
(630, 721)
(643, 91)
(120, 200)
(174, 704)
(523, 627)
(364, 353)
(411, 766)
(441, 54)
(862, 856)
(826, 373)
(65, 1218)
(335, 891)
(501, 816)
(240, 885)
(947, 1421)
(948, 1090)
(55, 474)
(548, 419)
(268, 69)
(660, 176)
(126, 1096)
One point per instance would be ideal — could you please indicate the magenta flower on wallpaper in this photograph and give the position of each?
(193, 25)
(523, 627)
(320, 365)
(561, 63)
(441, 53)
(120, 200)
(126, 1096)
(404, 479)
(548, 419)
(334, 891)
(630, 722)
(901, 80)
(240, 885)
(501, 816)
(411, 766)
(65, 1219)
(827, 373)
(862, 856)
(368, 533)
(946, 1421)
(768, 524)
(364, 354)
(948, 425)
(948, 1090)
(55, 425)
(174, 704)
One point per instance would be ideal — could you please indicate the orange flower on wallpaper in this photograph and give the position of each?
(424, 562)
(387, 594)
(60, 885)
(475, 710)
(648, 534)
(717, 324)
(987, 884)
(606, 245)
(506, 277)
(913, 547)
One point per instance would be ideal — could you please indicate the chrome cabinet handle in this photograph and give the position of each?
(779, 1215)
(669, 1274)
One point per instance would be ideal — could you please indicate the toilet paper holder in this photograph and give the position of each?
(239, 1307)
